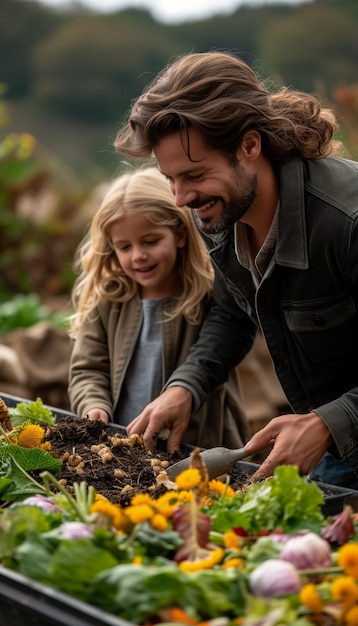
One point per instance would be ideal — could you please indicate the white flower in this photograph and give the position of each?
(75, 530)
(275, 577)
(307, 551)
(41, 501)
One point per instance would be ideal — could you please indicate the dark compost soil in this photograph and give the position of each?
(118, 467)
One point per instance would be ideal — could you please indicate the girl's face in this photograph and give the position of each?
(147, 253)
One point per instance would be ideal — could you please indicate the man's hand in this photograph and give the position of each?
(172, 410)
(297, 440)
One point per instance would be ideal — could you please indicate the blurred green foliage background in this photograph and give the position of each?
(68, 78)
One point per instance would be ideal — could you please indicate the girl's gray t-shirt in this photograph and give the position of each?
(144, 376)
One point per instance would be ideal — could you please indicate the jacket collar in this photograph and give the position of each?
(291, 247)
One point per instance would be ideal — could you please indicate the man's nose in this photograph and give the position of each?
(183, 194)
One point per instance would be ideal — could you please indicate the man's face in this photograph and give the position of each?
(219, 193)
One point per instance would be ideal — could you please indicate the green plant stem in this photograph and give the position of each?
(48, 478)
(132, 536)
(4, 434)
(321, 571)
(39, 487)
(84, 496)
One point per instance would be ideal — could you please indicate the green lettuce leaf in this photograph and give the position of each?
(136, 593)
(19, 523)
(156, 544)
(30, 459)
(16, 462)
(286, 500)
(35, 412)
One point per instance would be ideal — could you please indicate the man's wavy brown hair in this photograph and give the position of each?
(221, 96)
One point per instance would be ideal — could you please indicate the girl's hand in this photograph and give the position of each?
(98, 414)
(172, 410)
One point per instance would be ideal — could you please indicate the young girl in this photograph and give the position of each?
(144, 282)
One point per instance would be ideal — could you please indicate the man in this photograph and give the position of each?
(279, 215)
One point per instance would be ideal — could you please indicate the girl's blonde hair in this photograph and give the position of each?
(100, 275)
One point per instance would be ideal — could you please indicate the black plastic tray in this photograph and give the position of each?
(335, 497)
(24, 602)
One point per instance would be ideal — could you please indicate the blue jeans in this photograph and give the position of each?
(333, 472)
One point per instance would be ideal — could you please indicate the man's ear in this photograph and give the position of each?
(251, 145)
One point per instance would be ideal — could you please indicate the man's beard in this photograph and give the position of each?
(241, 195)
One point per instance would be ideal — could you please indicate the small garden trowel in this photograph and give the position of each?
(218, 461)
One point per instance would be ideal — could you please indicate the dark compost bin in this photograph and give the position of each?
(26, 602)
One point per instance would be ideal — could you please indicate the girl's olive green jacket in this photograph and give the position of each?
(100, 357)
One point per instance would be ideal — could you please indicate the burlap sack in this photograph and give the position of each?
(34, 363)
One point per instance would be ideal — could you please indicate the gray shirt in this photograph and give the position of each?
(144, 377)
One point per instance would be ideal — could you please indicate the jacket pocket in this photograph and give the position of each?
(323, 330)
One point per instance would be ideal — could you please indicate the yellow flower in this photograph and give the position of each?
(26, 145)
(213, 558)
(185, 496)
(310, 597)
(99, 496)
(139, 513)
(345, 591)
(137, 560)
(167, 503)
(101, 506)
(45, 446)
(31, 436)
(235, 562)
(188, 479)
(221, 488)
(159, 522)
(232, 540)
(141, 498)
(9, 143)
(351, 618)
(348, 559)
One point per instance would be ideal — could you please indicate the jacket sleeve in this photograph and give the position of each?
(226, 336)
(89, 375)
(341, 414)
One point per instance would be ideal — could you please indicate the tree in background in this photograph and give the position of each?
(315, 47)
(87, 65)
(72, 73)
(346, 98)
(23, 25)
(38, 223)
(91, 64)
